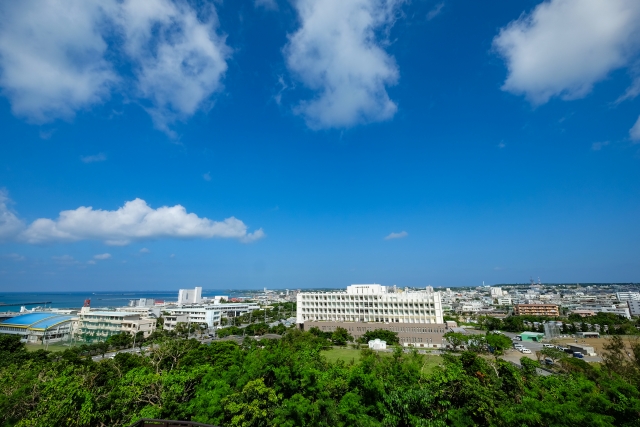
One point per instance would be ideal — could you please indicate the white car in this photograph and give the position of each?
(518, 346)
(525, 350)
(548, 346)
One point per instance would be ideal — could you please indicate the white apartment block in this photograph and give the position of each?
(190, 296)
(634, 307)
(207, 314)
(100, 325)
(504, 301)
(495, 292)
(211, 313)
(628, 296)
(370, 303)
(172, 320)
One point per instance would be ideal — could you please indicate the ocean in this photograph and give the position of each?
(75, 300)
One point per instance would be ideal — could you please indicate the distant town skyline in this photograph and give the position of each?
(251, 144)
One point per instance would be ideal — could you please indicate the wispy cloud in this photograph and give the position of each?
(100, 157)
(207, 176)
(10, 224)
(266, 4)
(399, 235)
(102, 256)
(65, 259)
(435, 11)
(634, 132)
(144, 251)
(14, 257)
(597, 146)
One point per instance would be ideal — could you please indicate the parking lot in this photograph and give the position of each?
(537, 346)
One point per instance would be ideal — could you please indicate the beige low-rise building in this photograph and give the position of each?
(100, 325)
(550, 310)
(426, 335)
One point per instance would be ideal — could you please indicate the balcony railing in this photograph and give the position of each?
(147, 422)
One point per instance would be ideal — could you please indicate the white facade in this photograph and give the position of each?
(212, 313)
(100, 325)
(622, 310)
(370, 303)
(377, 344)
(146, 311)
(626, 296)
(495, 292)
(504, 301)
(190, 296)
(634, 307)
(208, 314)
(172, 320)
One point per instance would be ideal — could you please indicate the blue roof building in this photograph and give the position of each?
(40, 327)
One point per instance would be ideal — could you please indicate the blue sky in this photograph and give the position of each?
(289, 144)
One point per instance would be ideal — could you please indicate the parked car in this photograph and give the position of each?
(548, 345)
(548, 361)
(578, 355)
(525, 350)
(518, 346)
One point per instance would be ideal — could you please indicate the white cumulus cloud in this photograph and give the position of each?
(52, 57)
(399, 235)
(563, 47)
(133, 222)
(338, 52)
(179, 59)
(57, 57)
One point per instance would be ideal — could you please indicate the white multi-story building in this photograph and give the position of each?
(190, 296)
(634, 307)
(628, 296)
(504, 301)
(370, 303)
(172, 320)
(495, 292)
(211, 313)
(143, 310)
(100, 325)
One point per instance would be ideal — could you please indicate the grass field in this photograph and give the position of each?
(349, 355)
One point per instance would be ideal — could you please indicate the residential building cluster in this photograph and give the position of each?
(544, 300)
(139, 316)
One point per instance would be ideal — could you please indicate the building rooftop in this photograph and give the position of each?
(52, 321)
(112, 313)
(37, 320)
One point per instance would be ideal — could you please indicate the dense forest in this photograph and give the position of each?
(288, 382)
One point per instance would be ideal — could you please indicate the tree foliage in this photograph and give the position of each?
(288, 382)
(390, 337)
